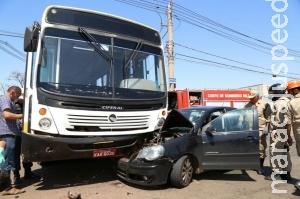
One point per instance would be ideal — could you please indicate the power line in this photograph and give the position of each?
(222, 65)
(196, 19)
(12, 54)
(260, 67)
(194, 15)
(20, 55)
(145, 5)
(11, 33)
(13, 48)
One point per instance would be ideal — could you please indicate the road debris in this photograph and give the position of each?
(74, 195)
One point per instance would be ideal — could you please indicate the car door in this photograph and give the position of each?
(231, 141)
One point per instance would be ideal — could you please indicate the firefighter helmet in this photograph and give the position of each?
(292, 84)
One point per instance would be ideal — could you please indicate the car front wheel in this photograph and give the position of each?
(182, 172)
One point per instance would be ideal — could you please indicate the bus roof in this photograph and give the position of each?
(94, 12)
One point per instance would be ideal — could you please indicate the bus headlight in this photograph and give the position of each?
(45, 123)
(160, 122)
(151, 153)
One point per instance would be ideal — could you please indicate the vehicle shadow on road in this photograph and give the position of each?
(235, 175)
(147, 188)
(296, 192)
(229, 175)
(71, 173)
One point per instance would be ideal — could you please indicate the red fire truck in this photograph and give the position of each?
(207, 97)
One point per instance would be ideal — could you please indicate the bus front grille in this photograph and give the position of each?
(111, 122)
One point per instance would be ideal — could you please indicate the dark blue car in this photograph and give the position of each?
(193, 140)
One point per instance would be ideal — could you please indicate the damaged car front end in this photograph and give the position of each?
(153, 163)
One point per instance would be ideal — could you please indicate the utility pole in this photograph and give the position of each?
(170, 46)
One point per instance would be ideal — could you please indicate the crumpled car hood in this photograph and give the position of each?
(176, 119)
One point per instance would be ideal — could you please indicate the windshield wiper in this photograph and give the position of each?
(132, 57)
(134, 53)
(94, 43)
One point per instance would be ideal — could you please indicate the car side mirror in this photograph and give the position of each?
(210, 130)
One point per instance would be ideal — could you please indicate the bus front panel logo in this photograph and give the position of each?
(112, 118)
(112, 107)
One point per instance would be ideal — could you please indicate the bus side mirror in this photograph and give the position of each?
(30, 39)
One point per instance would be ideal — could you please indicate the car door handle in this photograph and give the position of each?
(250, 138)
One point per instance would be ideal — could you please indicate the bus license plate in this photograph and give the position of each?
(104, 153)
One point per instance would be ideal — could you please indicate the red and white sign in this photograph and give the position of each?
(225, 95)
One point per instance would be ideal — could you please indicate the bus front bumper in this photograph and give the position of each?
(40, 148)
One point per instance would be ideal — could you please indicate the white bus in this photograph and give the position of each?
(95, 85)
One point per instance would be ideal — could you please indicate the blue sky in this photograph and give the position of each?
(196, 49)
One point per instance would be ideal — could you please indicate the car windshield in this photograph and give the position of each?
(192, 114)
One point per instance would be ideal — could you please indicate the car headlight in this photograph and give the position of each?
(45, 123)
(151, 153)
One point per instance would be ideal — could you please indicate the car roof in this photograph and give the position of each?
(206, 107)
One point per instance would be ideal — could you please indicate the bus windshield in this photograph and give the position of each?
(107, 67)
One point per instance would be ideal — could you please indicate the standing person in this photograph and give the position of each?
(17, 155)
(264, 112)
(4, 177)
(26, 165)
(293, 114)
(2, 147)
(278, 126)
(5, 182)
(8, 125)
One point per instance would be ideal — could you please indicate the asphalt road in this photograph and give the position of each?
(96, 179)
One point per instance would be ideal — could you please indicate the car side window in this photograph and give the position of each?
(247, 119)
(239, 120)
(236, 120)
(218, 124)
(212, 116)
